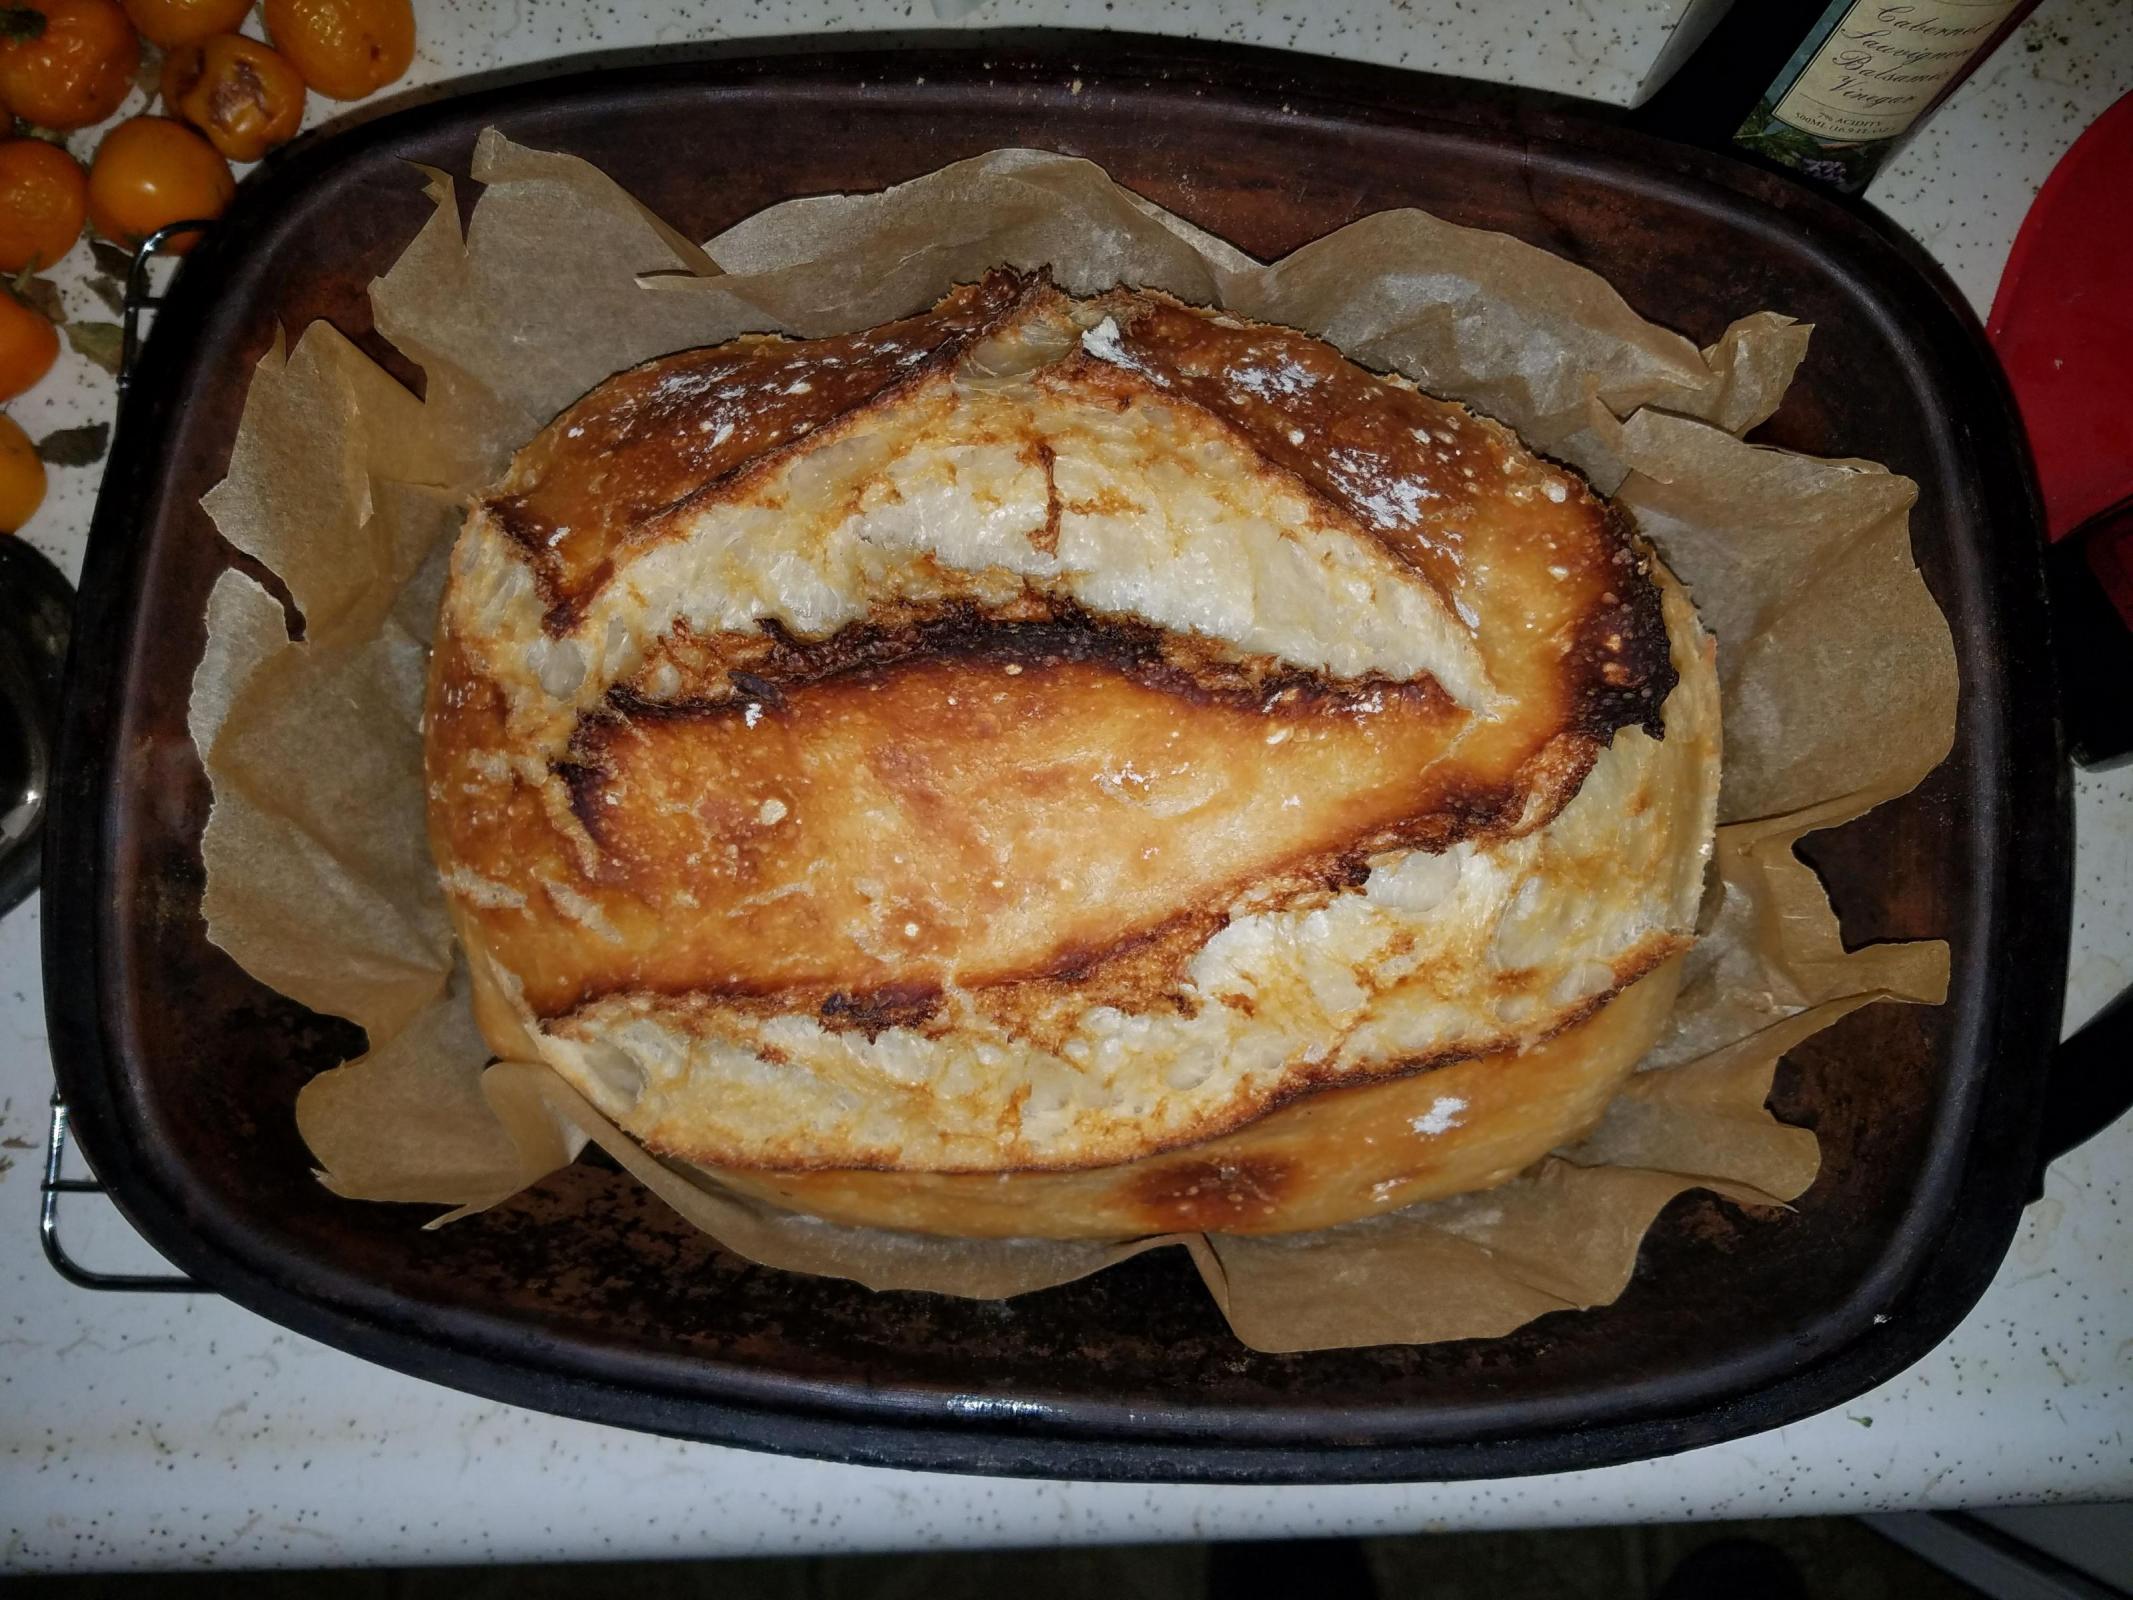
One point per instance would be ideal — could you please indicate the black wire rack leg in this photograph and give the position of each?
(48, 1193)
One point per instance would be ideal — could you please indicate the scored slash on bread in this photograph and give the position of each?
(1043, 732)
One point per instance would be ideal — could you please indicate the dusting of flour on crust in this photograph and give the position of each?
(1441, 1117)
(1101, 342)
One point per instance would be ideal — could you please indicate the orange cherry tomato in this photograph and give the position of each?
(170, 23)
(150, 172)
(28, 347)
(344, 48)
(21, 477)
(43, 198)
(78, 67)
(241, 95)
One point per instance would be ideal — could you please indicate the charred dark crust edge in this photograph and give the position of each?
(901, 1005)
(1039, 632)
(1623, 648)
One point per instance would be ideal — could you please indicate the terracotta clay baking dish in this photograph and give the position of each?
(585, 1296)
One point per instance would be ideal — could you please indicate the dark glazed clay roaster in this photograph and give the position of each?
(585, 1296)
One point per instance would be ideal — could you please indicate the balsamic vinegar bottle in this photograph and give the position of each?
(1827, 88)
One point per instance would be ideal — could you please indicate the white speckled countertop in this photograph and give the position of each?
(140, 1431)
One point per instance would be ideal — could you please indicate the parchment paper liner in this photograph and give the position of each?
(1838, 674)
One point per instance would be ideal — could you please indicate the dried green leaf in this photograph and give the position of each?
(41, 295)
(148, 78)
(110, 258)
(109, 290)
(75, 447)
(101, 342)
(21, 22)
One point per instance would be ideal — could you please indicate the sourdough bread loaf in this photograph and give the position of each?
(1067, 767)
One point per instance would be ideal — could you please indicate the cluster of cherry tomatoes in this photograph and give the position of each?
(69, 64)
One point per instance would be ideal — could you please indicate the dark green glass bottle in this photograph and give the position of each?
(1826, 88)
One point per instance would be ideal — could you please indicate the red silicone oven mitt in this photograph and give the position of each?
(2063, 326)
